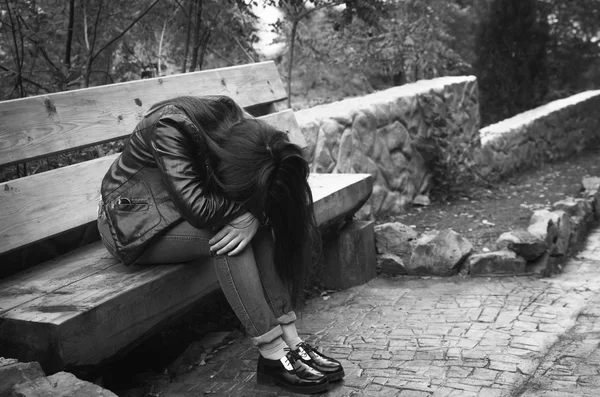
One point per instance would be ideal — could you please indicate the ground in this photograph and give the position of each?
(484, 213)
(418, 336)
(433, 337)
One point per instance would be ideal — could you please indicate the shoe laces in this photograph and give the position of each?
(292, 353)
(307, 347)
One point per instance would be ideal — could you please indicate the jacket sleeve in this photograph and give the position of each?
(171, 146)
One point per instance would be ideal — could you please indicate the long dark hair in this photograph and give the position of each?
(254, 164)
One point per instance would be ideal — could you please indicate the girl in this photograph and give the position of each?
(199, 178)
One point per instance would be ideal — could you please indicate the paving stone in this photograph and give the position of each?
(442, 337)
(13, 372)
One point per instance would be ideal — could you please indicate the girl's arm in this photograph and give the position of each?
(172, 146)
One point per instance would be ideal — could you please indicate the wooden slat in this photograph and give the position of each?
(36, 207)
(53, 275)
(338, 194)
(38, 126)
(286, 121)
(88, 321)
(71, 317)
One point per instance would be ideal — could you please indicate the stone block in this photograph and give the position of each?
(439, 253)
(61, 384)
(395, 238)
(591, 186)
(522, 243)
(390, 264)
(349, 256)
(554, 221)
(499, 262)
(13, 372)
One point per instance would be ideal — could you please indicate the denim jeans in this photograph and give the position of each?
(249, 280)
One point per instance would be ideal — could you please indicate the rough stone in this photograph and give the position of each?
(13, 372)
(498, 262)
(61, 384)
(546, 230)
(324, 162)
(591, 185)
(392, 204)
(344, 160)
(439, 253)
(394, 135)
(560, 221)
(377, 198)
(574, 206)
(421, 199)
(364, 126)
(522, 243)
(395, 238)
(390, 264)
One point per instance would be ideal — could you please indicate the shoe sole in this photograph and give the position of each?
(336, 376)
(263, 379)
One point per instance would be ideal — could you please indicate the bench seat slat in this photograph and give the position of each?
(46, 204)
(39, 126)
(86, 318)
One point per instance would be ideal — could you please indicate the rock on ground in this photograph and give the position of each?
(396, 239)
(522, 243)
(499, 262)
(439, 253)
(13, 372)
(61, 384)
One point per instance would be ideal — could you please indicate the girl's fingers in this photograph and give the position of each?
(230, 246)
(239, 248)
(217, 237)
(222, 242)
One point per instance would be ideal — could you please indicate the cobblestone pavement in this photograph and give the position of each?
(484, 337)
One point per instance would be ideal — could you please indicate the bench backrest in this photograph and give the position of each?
(43, 205)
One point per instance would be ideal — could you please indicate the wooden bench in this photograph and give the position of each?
(84, 307)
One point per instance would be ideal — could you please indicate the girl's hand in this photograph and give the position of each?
(235, 236)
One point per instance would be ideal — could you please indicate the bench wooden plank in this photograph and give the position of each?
(84, 320)
(39, 126)
(53, 275)
(34, 208)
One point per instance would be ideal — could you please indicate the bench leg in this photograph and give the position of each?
(349, 256)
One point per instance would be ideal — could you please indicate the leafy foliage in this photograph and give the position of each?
(511, 58)
(52, 45)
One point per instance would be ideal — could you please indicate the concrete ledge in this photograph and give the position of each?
(554, 131)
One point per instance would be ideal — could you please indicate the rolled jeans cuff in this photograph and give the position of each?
(267, 337)
(287, 318)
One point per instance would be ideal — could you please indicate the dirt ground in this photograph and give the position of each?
(483, 214)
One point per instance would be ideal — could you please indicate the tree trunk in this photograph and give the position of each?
(187, 37)
(70, 36)
(291, 61)
(197, 38)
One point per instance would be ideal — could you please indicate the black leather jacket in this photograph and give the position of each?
(159, 180)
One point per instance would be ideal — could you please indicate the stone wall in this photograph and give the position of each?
(382, 133)
(554, 131)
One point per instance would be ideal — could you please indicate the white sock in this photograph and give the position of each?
(273, 350)
(290, 335)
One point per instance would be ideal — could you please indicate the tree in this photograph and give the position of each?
(511, 58)
(574, 47)
(54, 45)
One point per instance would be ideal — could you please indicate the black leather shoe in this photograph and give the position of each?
(330, 367)
(292, 374)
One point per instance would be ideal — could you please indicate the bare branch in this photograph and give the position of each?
(38, 85)
(132, 24)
